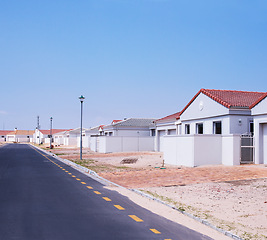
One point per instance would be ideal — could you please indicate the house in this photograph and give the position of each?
(3, 135)
(129, 127)
(43, 136)
(211, 125)
(259, 112)
(20, 136)
(132, 134)
(219, 112)
(168, 125)
(88, 133)
(69, 137)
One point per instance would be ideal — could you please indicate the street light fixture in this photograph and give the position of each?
(51, 132)
(81, 140)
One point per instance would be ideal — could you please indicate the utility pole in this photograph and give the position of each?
(51, 133)
(38, 127)
(81, 140)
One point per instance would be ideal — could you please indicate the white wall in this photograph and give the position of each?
(122, 144)
(231, 150)
(130, 132)
(179, 150)
(203, 107)
(198, 150)
(260, 123)
(207, 150)
(260, 108)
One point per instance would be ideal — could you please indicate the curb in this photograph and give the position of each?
(104, 181)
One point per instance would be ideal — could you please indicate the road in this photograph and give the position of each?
(42, 198)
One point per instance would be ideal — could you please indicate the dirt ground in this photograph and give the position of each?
(231, 198)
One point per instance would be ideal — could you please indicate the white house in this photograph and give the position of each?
(211, 126)
(129, 127)
(168, 125)
(132, 134)
(3, 135)
(43, 136)
(87, 134)
(22, 136)
(69, 137)
(259, 112)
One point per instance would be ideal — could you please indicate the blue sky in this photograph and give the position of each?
(129, 58)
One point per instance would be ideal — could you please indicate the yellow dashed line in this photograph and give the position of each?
(135, 218)
(107, 199)
(66, 171)
(73, 176)
(83, 183)
(69, 173)
(89, 187)
(155, 231)
(78, 179)
(96, 192)
(119, 207)
(63, 169)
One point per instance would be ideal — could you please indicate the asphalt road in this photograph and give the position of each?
(41, 198)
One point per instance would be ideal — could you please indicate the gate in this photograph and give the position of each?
(247, 149)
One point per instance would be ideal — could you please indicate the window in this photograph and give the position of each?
(199, 128)
(251, 127)
(153, 132)
(187, 128)
(217, 127)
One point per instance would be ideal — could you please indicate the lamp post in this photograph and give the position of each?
(51, 132)
(81, 140)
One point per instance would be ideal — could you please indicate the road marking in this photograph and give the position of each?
(73, 176)
(78, 179)
(96, 192)
(107, 199)
(63, 169)
(69, 173)
(66, 171)
(89, 187)
(83, 183)
(119, 207)
(137, 219)
(155, 231)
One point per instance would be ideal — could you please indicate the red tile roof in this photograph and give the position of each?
(115, 121)
(101, 126)
(174, 117)
(54, 131)
(22, 132)
(5, 132)
(231, 98)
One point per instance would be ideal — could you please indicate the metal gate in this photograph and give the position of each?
(247, 149)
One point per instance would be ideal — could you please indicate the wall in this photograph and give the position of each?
(198, 150)
(259, 126)
(207, 125)
(122, 144)
(236, 127)
(203, 107)
(231, 150)
(207, 150)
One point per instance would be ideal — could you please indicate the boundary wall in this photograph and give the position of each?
(198, 150)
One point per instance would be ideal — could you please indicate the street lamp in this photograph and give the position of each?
(81, 140)
(51, 132)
